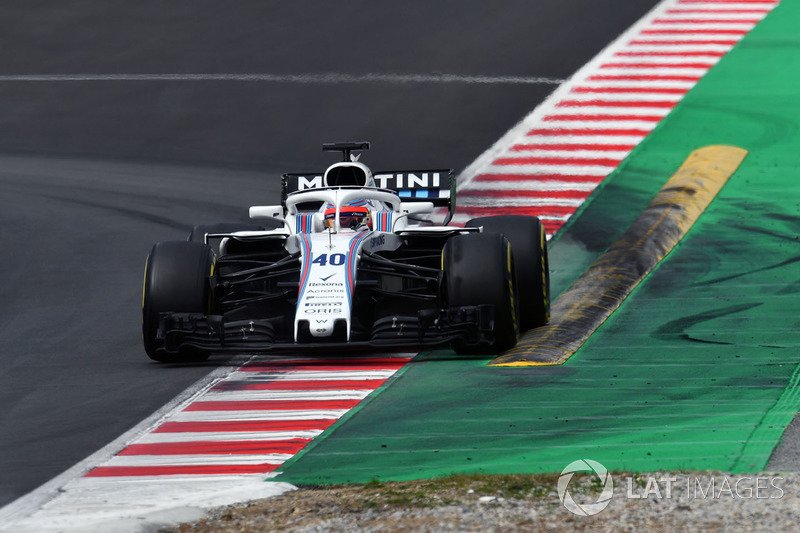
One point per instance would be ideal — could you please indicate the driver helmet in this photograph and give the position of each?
(351, 217)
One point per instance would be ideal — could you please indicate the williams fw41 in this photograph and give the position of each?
(348, 260)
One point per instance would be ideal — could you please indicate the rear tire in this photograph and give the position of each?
(177, 279)
(529, 243)
(479, 270)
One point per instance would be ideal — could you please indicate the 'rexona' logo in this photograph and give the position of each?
(586, 509)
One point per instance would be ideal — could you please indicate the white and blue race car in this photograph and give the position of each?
(348, 260)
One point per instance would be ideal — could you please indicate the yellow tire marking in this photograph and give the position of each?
(511, 289)
(144, 282)
(545, 288)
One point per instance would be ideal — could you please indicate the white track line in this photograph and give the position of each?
(310, 78)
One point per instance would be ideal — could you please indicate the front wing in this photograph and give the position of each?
(428, 329)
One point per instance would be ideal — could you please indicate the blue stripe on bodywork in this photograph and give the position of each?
(355, 242)
(384, 222)
(305, 242)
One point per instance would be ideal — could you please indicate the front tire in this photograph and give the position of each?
(479, 270)
(529, 243)
(177, 279)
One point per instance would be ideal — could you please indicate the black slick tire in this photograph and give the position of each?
(479, 270)
(529, 243)
(177, 279)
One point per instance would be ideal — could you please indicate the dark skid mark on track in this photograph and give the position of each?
(764, 231)
(688, 191)
(69, 193)
(763, 269)
(786, 218)
(133, 213)
(679, 327)
(769, 209)
(791, 288)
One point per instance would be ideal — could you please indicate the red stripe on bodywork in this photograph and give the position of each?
(306, 244)
(352, 265)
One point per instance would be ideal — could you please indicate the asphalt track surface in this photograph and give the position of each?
(122, 124)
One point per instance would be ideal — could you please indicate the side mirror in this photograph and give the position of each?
(416, 208)
(266, 211)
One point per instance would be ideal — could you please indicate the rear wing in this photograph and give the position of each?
(437, 186)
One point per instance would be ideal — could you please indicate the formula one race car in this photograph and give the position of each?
(352, 261)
